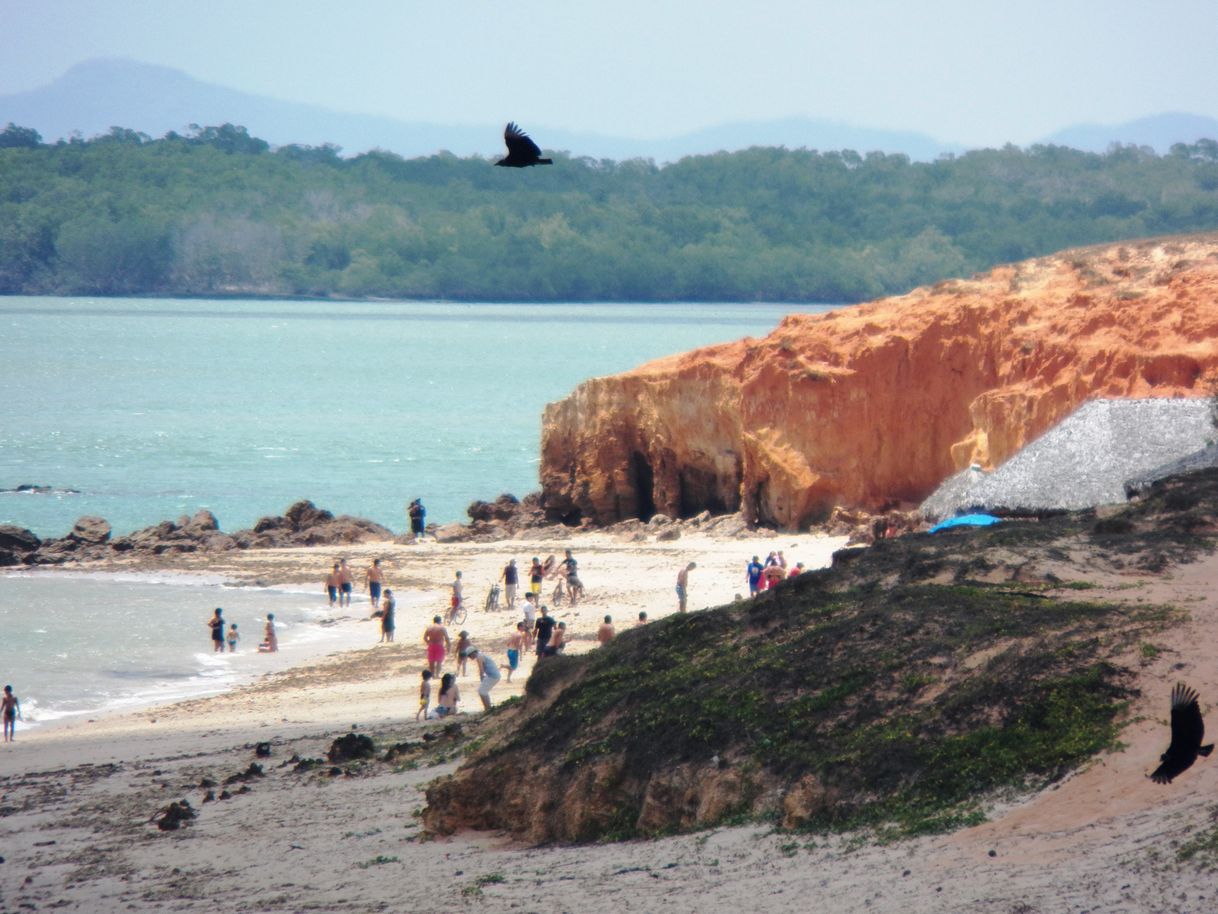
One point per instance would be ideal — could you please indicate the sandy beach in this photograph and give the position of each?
(78, 800)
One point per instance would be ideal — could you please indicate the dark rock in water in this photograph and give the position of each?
(350, 747)
(225, 795)
(262, 750)
(308, 764)
(17, 544)
(209, 797)
(175, 815)
(28, 489)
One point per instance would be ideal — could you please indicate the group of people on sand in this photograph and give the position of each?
(439, 648)
(761, 577)
(340, 584)
(230, 636)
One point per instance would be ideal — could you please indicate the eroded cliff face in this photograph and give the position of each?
(875, 405)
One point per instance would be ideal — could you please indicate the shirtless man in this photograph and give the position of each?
(435, 636)
(346, 583)
(605, 633)
(683, 585)
(374, 577)
(333, 582)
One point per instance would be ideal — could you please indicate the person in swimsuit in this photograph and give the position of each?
(424, 696)
(346, 583)
(333, 581)
(388, 623)
(374, 578)
(216, 624)
(435, 636)
(605, 633)
(233, 638)
(683, 585)
(10, 707)
(515, 643)
(446, 706)
(271, 643)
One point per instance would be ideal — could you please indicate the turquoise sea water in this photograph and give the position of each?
(156, 408)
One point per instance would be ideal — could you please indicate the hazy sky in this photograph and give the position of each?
(977, 72)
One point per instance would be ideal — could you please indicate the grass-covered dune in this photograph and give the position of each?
(897, 690)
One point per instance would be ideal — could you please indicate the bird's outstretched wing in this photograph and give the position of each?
(519, 145)
(1187, 731)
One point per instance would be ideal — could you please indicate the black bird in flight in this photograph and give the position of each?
(1187, 729)
(522, 151)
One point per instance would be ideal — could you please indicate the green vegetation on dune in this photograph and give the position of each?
(872, 693)
(219, 212)
(897, 691)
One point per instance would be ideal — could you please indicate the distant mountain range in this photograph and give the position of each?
(94, 96)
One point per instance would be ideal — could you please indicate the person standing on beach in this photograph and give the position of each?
(10, 707)
(536, 573)
(435, 636)
(515, 642)
(346, 583)
(270, 643)
(388, 623)
(424, 696)
(333, 580)
(575, 587)
(530, 618)
(418, 519)
(683, 585)
(216, 624)
(510, 578)
(458, 596)
(233, 638)
(753, 574)
(488, 675)
(374, 578)
(605, 633)
(543, 629)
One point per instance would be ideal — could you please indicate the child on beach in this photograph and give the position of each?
(530, 619)
(515, 642)
(10, 707)
(606, 632)
(233, 638)
(424, 696)
(462, 649)
(270, 643)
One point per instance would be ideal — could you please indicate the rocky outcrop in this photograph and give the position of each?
(873, 406)
(17, 545)
(303, 524)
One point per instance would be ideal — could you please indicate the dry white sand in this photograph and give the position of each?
(76, 800)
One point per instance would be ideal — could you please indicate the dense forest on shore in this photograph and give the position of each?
(218, 212)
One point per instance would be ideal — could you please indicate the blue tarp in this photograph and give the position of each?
(967, 520)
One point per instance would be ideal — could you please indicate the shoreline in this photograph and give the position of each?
(624, 577)
(79, 800)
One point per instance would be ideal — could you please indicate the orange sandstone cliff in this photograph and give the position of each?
(875, 405)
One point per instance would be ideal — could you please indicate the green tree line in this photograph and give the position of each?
(219, 212)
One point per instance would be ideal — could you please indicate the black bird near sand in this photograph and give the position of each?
(522, 152)
(1187, 729)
